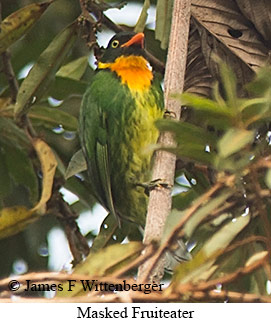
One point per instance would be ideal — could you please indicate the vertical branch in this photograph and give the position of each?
(164, 166)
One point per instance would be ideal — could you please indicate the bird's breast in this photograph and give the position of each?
(134, 71)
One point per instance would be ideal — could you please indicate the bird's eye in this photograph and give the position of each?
(115, 43)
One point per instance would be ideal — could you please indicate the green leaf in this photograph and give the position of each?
(254, 110)
(110, 258)
(77, 164)
(108, 229)
(268, 178)
(254, 102)
(193, 270)
(175, 216)
(53, 117)
(5, 180)
(193, 152)
(44, 70)
(256, 257)
(205, 210)
(19, 22)
(233, 163)
(83, 190)
(75, 69)
(186, 132)
(204, 105)
(102, 263)
(19, 181)
(262, 83)
(140, 25)
(182, 200)
(64, 87)
(11, 131)
(191, 140)
(163, 21)
(172, 221)
(233, 141)
(229, 85)
(220, 240)
(14, 219)
(21, 171)
(201, 265)
(71, 105)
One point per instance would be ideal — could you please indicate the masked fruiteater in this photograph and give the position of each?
(117, 126)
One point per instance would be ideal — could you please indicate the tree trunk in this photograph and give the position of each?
(164, 166)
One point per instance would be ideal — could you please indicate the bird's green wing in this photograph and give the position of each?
(94, 141)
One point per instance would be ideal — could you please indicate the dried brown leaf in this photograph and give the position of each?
(227, 33)
(198, 79)
(259, 13)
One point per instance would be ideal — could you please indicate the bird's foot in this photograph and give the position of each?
(157, 183)
(169, 114)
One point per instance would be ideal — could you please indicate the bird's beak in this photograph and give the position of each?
(136, 39)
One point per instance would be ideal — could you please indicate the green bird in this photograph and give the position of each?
(117, 127)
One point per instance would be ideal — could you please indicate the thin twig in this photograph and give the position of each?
(135, 263)
(229, 297)
(85, 13)
(10, 75)
(99, 14)
(262, 208)
(228, 278)
(246, 241)
(200, 291)
(77, 242)
(176, 233)
(209, 296)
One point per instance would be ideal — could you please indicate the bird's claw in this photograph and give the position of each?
(169, 114)
(157, 183)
